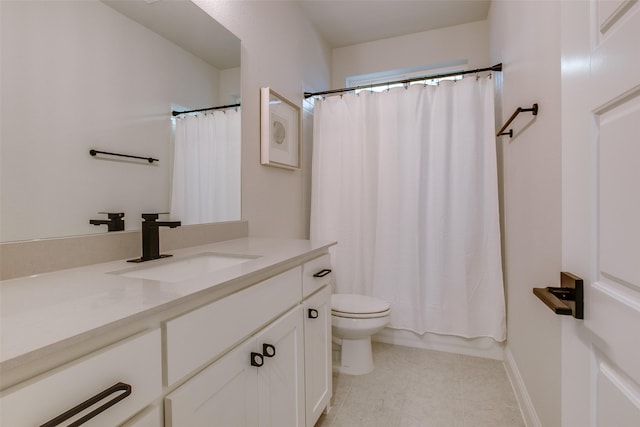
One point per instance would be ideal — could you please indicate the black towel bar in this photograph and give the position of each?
(149, 159)
(534, 111)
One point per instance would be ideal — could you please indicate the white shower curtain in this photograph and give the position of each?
(406, 182)
(206, 168)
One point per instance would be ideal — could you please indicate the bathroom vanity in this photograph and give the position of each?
(236, 333)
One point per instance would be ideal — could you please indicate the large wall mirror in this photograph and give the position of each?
(106, 75)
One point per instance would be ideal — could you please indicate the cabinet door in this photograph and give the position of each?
(317, 354)
(222, 395)
(281, 378)
(150, 417)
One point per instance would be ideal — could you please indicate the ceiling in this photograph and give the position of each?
(347, 22)
(187, 25)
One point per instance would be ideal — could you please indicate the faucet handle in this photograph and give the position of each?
(113, 215)
(153, 216)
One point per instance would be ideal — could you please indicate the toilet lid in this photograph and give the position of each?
(358, 304)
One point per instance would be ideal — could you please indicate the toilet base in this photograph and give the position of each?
(356, 356)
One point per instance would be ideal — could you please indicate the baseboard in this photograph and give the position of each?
(480, 347)
(522, 395)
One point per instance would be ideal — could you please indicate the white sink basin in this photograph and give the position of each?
(177, 270)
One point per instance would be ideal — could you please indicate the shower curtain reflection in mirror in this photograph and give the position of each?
(406, 181)
(206, 170)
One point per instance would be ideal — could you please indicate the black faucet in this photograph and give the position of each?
(150, 237)
(114, 223)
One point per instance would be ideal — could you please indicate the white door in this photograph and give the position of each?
(281, 378)
(601, 211)
(317, 354)
(222, 395)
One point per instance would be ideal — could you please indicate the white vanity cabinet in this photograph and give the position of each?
(135, 364)
(242, 348)
(259, 383)
(195, 338)
(280, 376)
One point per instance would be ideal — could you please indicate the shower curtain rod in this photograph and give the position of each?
(222, 107)
(497, 67)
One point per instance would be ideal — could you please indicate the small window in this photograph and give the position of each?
(377, 82)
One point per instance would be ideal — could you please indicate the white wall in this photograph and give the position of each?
(79, 75)
(468, 42)
(525, 37)
(280, 49)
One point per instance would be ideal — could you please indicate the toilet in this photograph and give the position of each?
(354, 319)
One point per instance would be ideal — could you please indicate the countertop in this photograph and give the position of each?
(45, 312)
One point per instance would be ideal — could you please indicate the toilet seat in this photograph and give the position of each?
(358, 306)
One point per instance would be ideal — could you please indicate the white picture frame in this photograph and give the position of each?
(279, 131)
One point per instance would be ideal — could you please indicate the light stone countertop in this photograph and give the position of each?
(45, 312)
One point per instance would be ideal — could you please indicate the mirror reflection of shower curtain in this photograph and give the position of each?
(406, 182)
(206, 169)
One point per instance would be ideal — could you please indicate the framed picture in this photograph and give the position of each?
(279, 131)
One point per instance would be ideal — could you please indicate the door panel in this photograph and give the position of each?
(610, 12)
(317, 354)
(614, 295)
(222, 395)
(619, 204)
(617, 397)
(281, 378)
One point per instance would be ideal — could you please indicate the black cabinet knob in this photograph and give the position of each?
(256, 359)
(268, 350)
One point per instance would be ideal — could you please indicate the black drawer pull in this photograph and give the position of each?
(256, 359)
(126, 388)
(322, 273)
(268, 350)
(313, 313)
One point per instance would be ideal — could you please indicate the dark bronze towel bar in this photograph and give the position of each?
(149, 159)
(534, 111)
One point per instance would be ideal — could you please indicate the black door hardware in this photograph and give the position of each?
(313, 313)
(568, 299)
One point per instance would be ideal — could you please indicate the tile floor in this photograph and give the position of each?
(413, 387)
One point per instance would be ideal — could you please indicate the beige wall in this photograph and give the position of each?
(467, 41)
(280, 49)
(525, 37)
